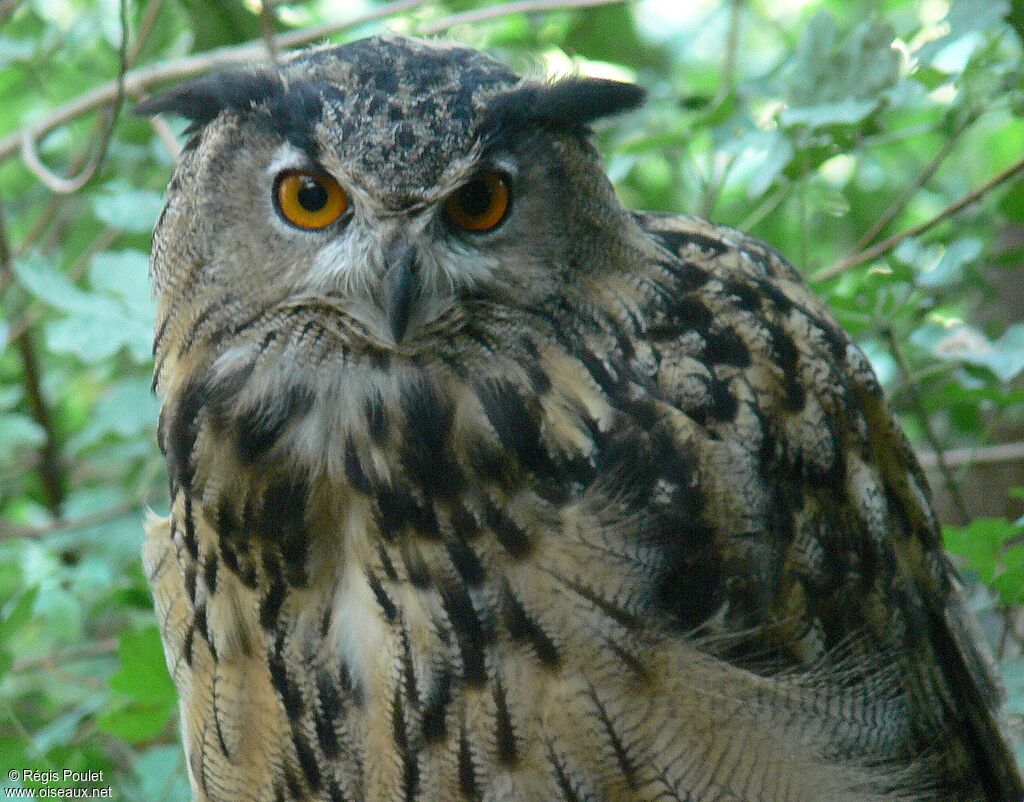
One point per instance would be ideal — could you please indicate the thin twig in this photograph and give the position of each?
(889, 243)
(137, 81)
(56, 527)
(7, 9)
(267, 21)
(987, 455)
(29, 144)
(495, 12)
(917, 404)
(911, 189)
(167, 138)
(732, 45)
(51, 467)
(84, 651)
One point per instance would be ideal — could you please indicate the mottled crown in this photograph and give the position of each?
(398, 109)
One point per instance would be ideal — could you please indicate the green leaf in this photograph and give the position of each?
(122, 273)
(145, 697)
(829, 73)
(143, 673)
(128, 409)
(1004, 356)
(135, 721)
(126, 209)
(949, 266)
(20, 614)
(980, 543)
(18, 432)
(838, 112)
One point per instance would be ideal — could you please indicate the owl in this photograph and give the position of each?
(486, 488)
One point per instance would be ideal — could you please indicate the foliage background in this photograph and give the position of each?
(845, 132)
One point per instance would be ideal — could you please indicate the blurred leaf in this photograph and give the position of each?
(220, 22)
(143, 673)
(981, 543)
(19, 432)
(127, 209)
(145, 699)
(832, 79)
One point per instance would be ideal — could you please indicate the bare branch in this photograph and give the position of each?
(917, 405)
(267, 20)
(137, 81)
(30, 154)
(987, 455)
(911, 189)
(889, 243)
(101, 517)
(51, 467)
(494, 12)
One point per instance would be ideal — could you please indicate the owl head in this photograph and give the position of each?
(363, 209)
(393, 176)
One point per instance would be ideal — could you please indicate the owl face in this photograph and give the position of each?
(345, 230)
(385, 183)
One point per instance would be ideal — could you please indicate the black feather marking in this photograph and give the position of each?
(287, 689)
(504, 733)
(466, 562)
(183, 430)
(515, 417)
(259, 429)
(727, 347)
(354, 469)
(330, 710)
(565, 787)
(523, 628)
(513, 539)
(467, 771)
(282, 522)
(468, 632)
(190, 582)
(625, 762)
(376, 417)
(307, 759)
(189, 533)
(569, 104)
(210, 573)
(434, 712)
(426, 452)
(387, 606)
(410, 769)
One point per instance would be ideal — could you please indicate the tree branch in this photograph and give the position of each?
(494, 12)
(911, 189)
(29, 144)
(917, 404)
(56, 527)
(51, 469)
(889, 243)
(987, 455)
(139, 80)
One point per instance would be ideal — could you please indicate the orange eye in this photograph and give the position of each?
(480, 205)
(309, 200)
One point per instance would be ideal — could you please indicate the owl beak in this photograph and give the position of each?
(400, 282)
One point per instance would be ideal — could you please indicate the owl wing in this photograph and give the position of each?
(813, 534)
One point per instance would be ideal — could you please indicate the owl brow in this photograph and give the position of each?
(568, 104)
(292, 111)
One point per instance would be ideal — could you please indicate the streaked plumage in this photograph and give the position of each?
(611, 510)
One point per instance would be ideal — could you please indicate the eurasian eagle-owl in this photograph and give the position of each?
(484, 487)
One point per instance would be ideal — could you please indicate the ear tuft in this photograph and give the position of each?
(202, 99)
(569, 103)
